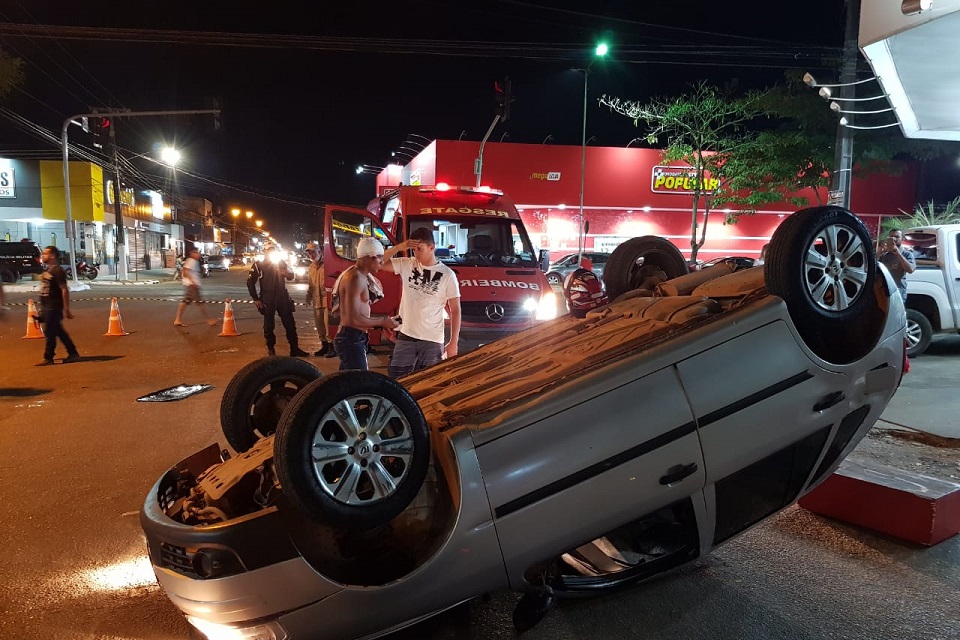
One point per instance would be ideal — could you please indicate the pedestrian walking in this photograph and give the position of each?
(897, 260)
(317, 298)
(272, 299)
(54, 306)
(190, 272)
(427, 288)
(354, 292)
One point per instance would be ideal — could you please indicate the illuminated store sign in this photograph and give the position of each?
(679, 180)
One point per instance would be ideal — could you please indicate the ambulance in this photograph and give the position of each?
(478, 233)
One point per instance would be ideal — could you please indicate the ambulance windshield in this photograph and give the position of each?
(480, 242)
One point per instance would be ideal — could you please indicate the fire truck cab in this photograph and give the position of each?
(478, 233)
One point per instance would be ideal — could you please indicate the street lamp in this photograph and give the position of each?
(600, 51)
(170, 156)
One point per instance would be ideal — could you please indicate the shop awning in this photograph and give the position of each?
(916, 59)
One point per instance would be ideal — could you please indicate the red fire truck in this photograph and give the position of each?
(478, 233)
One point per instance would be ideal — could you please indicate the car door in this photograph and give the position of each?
(344, 227)
(764, 411)
(626, 447)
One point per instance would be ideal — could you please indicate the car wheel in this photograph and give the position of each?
(554, 278)
(919, 333)
(822, 263)
(8, 276)
(637, 259)
(352, 450)
(256, 396)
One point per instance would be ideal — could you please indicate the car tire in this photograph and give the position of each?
(554, 278)
(8, 276)
(625, 271)
(829, 290)
(919, 333)
(256, 396)
(353, 485)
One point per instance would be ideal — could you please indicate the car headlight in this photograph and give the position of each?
(300, 271)
(259, 631)
(226, 263)
(547, 307)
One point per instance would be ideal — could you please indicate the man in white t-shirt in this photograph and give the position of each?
(428, 286)
(191, 288)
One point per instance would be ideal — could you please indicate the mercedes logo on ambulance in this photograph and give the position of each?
(495, 312)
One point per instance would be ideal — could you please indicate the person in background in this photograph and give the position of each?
(317, 298)
(354, 292)
(190, 272)
(54, 305)
(898, 261)
(428, 286)
(273, 300)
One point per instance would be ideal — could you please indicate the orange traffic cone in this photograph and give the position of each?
(229, 322)
(115, 328)
(34, 330)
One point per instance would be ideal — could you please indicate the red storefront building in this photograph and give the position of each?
(627, 193)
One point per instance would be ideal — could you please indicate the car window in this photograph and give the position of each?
(598, 258)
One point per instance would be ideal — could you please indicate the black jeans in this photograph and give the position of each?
(289, 325)
(53, 319)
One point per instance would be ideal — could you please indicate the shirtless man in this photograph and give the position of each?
(356, 289)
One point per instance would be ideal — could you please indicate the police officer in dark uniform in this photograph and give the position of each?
(273, 299)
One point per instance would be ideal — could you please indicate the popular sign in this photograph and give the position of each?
(679, 180)
(8, 183)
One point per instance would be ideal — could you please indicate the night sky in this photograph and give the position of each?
(298, 120)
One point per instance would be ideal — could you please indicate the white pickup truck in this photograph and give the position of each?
(933, 290)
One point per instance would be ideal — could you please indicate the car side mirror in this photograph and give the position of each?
(544, 260)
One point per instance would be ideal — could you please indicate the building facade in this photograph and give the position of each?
(627, 192)
(33, 206)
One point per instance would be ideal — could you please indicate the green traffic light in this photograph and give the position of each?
(602, 49)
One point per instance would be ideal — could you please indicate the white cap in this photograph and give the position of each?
(369, 247)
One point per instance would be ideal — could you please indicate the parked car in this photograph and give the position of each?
(623, 445)
(742, 262)
(18, 259)
(568, 264)
(933, 289)
(217, 262)
(301, 269)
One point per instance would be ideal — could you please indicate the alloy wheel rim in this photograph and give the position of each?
(362, 450)
(834, 268)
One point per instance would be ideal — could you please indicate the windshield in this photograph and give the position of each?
(480, 242)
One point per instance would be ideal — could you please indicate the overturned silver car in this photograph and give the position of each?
(580, 456)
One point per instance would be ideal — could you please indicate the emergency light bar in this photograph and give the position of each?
(443, 186)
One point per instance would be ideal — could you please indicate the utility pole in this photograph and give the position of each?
(65, 144)
(843, 160)
(121, 248)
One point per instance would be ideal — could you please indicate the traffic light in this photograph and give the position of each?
(502, 94)
(100, 127)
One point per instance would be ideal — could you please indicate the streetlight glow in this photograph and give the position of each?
(235, 213)
(602, 49)
(259, 223)
(249, 214)
(170, 156)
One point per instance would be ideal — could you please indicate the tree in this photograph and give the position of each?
(11, 72)
(926, 216)
(706, 129)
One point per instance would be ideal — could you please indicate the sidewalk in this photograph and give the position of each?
(145, 276)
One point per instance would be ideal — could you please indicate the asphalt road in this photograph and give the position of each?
(79, 455)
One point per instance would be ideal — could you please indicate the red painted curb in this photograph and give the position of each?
(891, 501)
